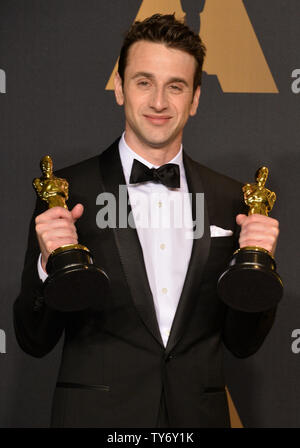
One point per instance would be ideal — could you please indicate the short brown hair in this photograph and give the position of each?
(168, 30)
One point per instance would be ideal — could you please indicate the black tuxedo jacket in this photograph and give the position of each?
(114, 366)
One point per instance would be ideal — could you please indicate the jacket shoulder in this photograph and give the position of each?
(86, 166)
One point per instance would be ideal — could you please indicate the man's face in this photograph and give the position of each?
(157, 94)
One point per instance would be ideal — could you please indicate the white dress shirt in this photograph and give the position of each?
(163, 220)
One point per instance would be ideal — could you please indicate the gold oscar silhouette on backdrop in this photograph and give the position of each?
(251, 283)
(74, 282)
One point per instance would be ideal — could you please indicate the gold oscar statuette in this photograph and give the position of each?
(250, 283)
(74, 282)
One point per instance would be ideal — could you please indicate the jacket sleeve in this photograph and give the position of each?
(244, 333)
(37, 327)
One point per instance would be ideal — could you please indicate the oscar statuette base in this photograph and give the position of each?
(251, 283)
(74, 283)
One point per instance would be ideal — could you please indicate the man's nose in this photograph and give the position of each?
(159, 100)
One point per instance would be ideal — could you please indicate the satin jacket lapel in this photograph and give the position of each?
(200, 251)
(128, 244)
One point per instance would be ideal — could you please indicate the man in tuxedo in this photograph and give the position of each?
(151, 354)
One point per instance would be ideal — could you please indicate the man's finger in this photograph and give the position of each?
(261, 219)
(77, 211)
(240, 219)
(53, 213)
(256, 228)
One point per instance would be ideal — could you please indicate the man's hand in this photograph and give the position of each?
(258, 230)
(55, 228)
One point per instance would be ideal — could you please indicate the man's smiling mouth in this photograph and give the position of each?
(157, 119)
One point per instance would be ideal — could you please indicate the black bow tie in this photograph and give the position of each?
(168, 174)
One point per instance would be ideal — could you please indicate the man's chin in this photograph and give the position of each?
(158, 143)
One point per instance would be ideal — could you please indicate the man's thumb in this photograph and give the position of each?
(240, 219)
(77, 211)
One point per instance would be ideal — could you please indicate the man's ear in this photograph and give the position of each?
(118, 89)
(195, 102)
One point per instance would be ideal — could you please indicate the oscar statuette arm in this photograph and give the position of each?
(37, 327)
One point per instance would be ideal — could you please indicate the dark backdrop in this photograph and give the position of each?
(57, 57)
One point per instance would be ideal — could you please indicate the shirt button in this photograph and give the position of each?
(160, 204)
(164, 290)
(162, 246)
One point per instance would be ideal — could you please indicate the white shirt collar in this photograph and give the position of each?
(127, 156)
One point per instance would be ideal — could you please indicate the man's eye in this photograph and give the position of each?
(175, 88)
(143, 83)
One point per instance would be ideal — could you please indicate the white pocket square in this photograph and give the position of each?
(218, 231)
